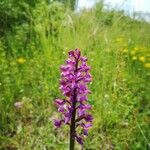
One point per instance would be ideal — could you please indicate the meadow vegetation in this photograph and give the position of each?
(35, 38)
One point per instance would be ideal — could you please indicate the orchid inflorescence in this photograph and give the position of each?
(74, 108)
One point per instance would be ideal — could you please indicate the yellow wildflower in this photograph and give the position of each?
(133, 52)
(134, 58)
(125, 50)
(21, 60)
(147, 65)
(142, 59)
(135, 48)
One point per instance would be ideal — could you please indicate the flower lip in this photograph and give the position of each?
(85, 131)
(57, 123)
(79, 139)
(83, 59)
(59, 102)
(86, 125)
(88, 118)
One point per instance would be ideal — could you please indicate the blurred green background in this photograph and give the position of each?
(35, 37)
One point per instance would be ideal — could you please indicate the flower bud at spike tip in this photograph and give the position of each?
(74, 108)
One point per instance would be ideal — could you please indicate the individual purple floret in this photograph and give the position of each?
(74, 108)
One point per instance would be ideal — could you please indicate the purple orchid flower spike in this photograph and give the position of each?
(74, 109)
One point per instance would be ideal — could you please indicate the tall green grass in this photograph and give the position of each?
(120, 87)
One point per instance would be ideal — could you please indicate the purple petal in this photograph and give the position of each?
(82, 86)
(63, 68)
(63, 82)
(59, 102)
(83, 59)
(88, 118)
(67, 117)
(61, 109)
(70, 62)
(83, 98)
(81, 112)
(71, 53)
(85, 131)
(57, 123)
(87, 125)
(87, 106)
(79, 140)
